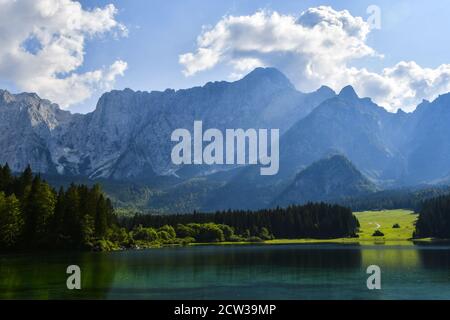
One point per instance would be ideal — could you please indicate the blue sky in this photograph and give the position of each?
(160, 31)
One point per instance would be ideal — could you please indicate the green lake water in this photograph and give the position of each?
(322, 271)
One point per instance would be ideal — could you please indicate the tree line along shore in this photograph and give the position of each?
(35, 216)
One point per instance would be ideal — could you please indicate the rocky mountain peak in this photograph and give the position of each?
(348, 93)
(325, 90)
(268, 75)
(6, 97)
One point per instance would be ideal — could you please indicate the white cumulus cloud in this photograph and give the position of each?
(319, 47)
(43, 45)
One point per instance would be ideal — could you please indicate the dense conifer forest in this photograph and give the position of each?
(33, 215)
(434, 219)
(319, 221)
(406, 198)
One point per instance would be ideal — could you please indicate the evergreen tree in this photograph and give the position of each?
(101, 218)
(72, 227)
(314, 220)
(34, 215)
(434, 219)
(39, 209)
(58, 218)
(11, 221)
(87, 230)
(24, 183)
(6, 180)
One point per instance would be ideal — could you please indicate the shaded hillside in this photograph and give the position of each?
(331, 178)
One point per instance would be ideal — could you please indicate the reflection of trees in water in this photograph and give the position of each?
(201, 271)
(283, 257)
(192, 266)
(44, 276)
(98, 271)
(11, 278)
(161, 273)
(436, 263)
(435, 258)
(29, 277)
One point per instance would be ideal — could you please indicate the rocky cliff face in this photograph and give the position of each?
(128, 134)
(427, 147)
(27, 127)
(355, 127)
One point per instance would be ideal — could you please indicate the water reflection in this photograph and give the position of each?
(43, 276)
(232, 272)
(391, 257)
(434, 257)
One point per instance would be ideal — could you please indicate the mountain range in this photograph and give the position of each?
(126, 142)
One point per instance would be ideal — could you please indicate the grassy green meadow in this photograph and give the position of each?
(370, 221)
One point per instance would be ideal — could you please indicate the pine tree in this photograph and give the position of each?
(57, 224)
(11, 221)
(35, 216)
(39, 210)
(72, 227)
(24, 183)
(6, 180)
(101, 218)
(87, 230)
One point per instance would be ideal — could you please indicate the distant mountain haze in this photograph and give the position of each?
(354, 127)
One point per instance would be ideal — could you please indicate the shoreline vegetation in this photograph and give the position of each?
(370, 221)
(35, 217)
